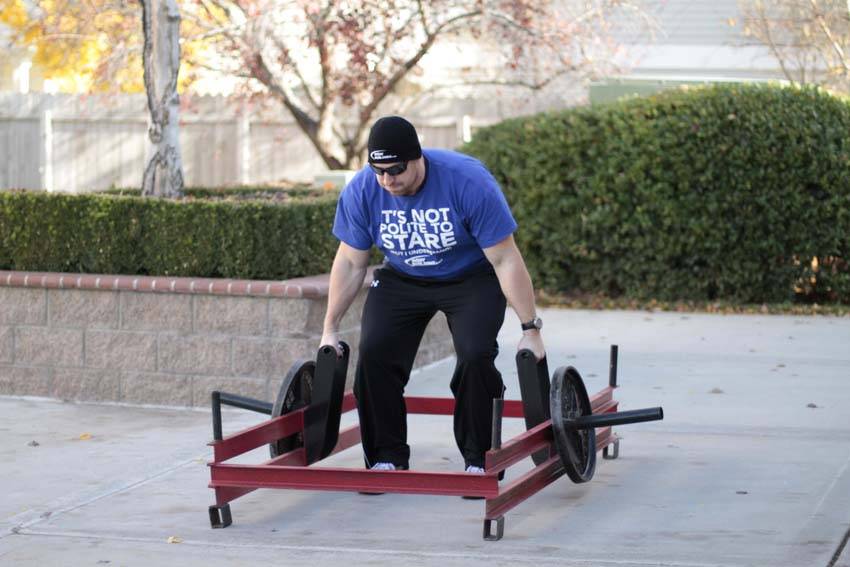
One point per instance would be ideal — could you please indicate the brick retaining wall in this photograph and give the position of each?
(166, 341)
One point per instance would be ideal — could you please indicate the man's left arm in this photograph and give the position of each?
(518, 289)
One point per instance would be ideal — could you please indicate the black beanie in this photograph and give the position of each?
(392, 139)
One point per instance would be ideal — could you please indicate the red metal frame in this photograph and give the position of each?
(230, 481)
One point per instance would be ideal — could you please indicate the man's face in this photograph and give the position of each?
(403, 183)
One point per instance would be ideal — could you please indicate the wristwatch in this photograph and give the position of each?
(535, 323)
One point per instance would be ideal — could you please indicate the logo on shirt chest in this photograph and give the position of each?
(417, 233)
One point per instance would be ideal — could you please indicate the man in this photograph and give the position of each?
(446, 231)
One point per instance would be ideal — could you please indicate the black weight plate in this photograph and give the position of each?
(577, 447)
(296, 392)
(328, 395)
(534, 391)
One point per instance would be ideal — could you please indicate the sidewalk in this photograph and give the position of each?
(751, 466)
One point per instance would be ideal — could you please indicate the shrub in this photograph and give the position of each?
(130, 235)
(721, 192)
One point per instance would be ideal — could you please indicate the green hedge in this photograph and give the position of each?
(233, 193)
(131, 235)
(725, 192)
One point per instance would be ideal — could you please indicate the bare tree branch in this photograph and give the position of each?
(808, 38)
(827, 32)
(362, 52)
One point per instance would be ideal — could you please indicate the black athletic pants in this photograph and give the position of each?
(397, 310)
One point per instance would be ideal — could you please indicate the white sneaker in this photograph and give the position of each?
(472, 469)
(385, 467)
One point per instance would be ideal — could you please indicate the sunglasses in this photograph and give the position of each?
(391, 171)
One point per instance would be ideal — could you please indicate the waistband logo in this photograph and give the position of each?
(418, 261)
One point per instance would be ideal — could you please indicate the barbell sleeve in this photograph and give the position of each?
(246, 403)
(615, 418)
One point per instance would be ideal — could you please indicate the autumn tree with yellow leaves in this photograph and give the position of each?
(81, 46)
(91, 46)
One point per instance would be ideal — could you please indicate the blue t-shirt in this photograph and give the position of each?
(439, 232)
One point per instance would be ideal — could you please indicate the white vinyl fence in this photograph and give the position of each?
(80, 143)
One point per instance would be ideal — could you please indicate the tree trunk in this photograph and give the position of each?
(332, 148)
(163, 175)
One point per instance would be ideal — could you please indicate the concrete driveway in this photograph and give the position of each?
(751, 466)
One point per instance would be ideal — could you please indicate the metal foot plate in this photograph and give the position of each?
(614, 451)
(488, 529)
(220, 516)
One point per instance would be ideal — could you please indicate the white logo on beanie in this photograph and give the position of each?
(376, 155)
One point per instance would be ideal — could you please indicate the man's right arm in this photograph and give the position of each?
(346, 279)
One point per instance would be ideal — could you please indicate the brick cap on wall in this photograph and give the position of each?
(311, 287)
